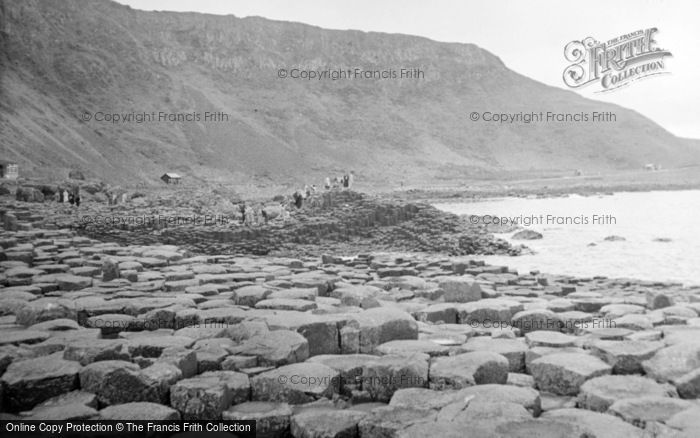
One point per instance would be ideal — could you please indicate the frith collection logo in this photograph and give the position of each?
(615, 63)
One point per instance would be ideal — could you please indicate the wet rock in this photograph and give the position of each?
(207, 396)
(564, 373)
(474, 368)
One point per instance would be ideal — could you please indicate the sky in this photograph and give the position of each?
(528, 36)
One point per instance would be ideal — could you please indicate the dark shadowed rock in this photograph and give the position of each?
(271, 419)
(26, 383)
(207, 396)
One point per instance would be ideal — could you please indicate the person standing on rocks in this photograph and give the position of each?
(327, 183)
(241, 208)
(351, 178)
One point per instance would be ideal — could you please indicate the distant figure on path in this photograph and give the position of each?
(77, 200)
(298, 199)
(346, 179)
(327, 183)
(241, 208)
(71, 199)
(351, 178)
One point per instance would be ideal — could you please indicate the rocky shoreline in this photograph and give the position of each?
(384, 343)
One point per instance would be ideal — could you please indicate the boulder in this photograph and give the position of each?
(626, 357)
(388, 421)
(488, 311)
(512, 349)
(110, 270)
(474, 368)
(642, 410)
(272, 420)
(671, 363)
(326, 423)
(599, 393)
(385, 375)
(275, 348)
(207, 396)
(564, 373)
(537, 319)
(116, 382)
(526, 235)
(296, 383)
(460, 289)
(28, 382)
(596, 424)
(380, 325)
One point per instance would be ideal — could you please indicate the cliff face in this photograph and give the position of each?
(63, 59)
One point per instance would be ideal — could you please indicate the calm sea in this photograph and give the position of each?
(661, 232)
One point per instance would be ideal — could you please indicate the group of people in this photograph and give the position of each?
(345, 181)
(339, 182)
(72, 197)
